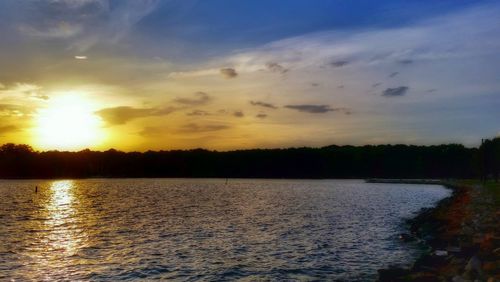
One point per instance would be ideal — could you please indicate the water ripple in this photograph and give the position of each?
(181, 229)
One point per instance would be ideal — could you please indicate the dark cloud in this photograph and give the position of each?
(314, 84)
(124, 114)
(7, 129)
(263, 104)
(406, 62)
(315, 109)
(431, 90)
(228, 73)
(201, 99)
(394, 74)
(194, 127)
(338, 64)
(198, 113)
(340, 86)
(238, 114)
(376, 84)
(261, 115)
(275, 67)
(393, 92)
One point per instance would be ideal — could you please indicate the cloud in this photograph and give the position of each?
(339, 64)
(263, 104)
(198, 113)
(152, 131)
(275, 67)
(23, 89)
(238, 114)
(394, 74)
(84, 23)
(123, 114)
(228, 73)
(405, 62)
(393, 92)
(81, 57)
(318, 109)
(202, 99)
(5, 129)
(261, 115)
(314, 109)
(12, 110)
(41, 97)
(194, 128)
(315, 84)
(376, 84)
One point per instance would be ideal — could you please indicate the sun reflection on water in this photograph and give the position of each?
(64, 236)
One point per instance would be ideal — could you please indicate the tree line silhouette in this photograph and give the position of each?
(370, 161)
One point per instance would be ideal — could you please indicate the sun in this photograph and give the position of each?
(68, 123)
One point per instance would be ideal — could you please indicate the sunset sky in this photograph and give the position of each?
(235, 74)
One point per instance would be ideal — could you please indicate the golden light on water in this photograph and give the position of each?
(68, 123)
(61, 215)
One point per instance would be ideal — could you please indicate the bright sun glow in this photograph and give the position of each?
(68, 123)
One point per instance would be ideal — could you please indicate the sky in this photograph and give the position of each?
(224, 75)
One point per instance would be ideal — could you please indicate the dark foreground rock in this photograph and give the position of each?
(462, 233)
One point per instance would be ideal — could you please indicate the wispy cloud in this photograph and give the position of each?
(228, 72)
(318, 109)
(84, 23)
(275, 67)
(196, 128)
(393, 92)
(314, 109)
(263, 104)
(339, 63)
(201, 98)
(238, 114)
(393, 74)
(198, 113)
(13, 110)
(123, 114)
(405, 61)
(5, 129)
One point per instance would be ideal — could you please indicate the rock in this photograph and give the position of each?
(473, 268)
(440, 253)
(458, 278)
(473, 264)
(392, 274)
(496, 251)
(453, 249)
(406, 237)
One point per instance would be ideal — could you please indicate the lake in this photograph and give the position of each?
(205, 229)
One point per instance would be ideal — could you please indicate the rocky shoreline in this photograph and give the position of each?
(462, 234)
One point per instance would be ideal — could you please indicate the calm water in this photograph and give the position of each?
(122, 229)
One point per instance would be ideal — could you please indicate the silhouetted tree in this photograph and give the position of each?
(371, 161)
(490, 158)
